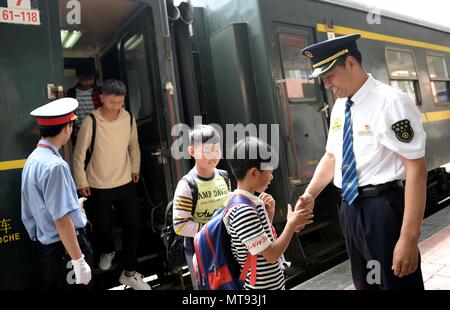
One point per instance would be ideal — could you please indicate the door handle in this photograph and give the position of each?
(325, 109)
(160, 155)
(295, 182)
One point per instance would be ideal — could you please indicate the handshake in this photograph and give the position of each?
(303, 212)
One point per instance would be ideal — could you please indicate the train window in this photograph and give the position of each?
(403, 73)
(407, 87)
(137, 77)
(401, 64)
(439, 76)
(296, 68)
(437, 67)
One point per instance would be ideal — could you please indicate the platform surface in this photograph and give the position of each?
(434, 248)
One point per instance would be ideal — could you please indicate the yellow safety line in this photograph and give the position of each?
(429, 117)
(12, 164)
(382, 37)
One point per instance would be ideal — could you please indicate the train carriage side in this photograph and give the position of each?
(398, 52)
(131, 41)
(249, 70)
(261, 77)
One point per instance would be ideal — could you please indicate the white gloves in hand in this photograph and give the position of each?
(81, 203)
(82, 271)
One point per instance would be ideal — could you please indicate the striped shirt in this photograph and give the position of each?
(86, 106)
(212, 195)
(251, 231)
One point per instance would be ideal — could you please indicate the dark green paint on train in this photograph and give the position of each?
(238, 63)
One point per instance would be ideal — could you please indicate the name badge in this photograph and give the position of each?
(365, 132)
(336, 124)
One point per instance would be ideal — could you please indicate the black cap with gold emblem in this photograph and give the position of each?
(324, 55)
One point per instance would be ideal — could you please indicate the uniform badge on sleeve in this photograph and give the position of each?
(403, 131)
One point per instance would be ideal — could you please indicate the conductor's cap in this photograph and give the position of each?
(57, 112)
(324, 54)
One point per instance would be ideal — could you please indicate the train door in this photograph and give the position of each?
(30, 63)
(301, 103)
(139, 70)
(304, 116)
(119, 37)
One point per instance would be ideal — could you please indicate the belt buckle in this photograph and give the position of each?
(80, 231)
(398, 184)
(369, 192)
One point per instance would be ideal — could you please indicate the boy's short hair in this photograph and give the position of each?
(114, 87)
(247, 154)
(202, 134)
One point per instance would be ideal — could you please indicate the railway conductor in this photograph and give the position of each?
(51, 211)
(375, 142)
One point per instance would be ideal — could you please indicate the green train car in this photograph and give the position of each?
(229, 61)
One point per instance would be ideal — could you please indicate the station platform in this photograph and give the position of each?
(434, 248)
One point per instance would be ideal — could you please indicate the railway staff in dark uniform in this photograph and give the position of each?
(51, 211)
(376, 140)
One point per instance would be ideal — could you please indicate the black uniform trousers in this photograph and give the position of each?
(101, 214)
(56, 265)
(371, 228)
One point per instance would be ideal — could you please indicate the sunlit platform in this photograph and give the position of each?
(434, 248)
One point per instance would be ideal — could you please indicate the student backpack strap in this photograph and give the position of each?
(90, 150)
(94, 129)
(190, 179)
(251, 260)
(131, 119)
(224, 174)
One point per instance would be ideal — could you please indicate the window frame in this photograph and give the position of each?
(415, 80)
(447, 80)
(317, 92)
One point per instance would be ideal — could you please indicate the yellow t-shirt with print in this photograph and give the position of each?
(212, 195)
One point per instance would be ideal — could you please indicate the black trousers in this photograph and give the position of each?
(56, 266)
(371, 228)
(102, 216)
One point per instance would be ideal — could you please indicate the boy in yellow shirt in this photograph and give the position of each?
(194, 208)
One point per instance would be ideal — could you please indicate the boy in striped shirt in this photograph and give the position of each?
(211, 194)
(251, 228)
(86, 92)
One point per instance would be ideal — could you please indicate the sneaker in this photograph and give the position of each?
(136, 282)
(106, 260)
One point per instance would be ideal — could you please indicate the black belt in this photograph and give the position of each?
(80, 231)
(369, 191)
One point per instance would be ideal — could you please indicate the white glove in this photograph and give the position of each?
(81, 203)
(82, 271)
(83, 212)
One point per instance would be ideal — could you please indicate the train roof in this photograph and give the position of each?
(395, 15)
